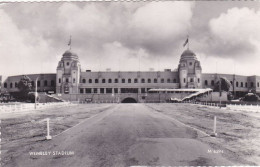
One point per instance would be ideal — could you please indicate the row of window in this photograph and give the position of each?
(15, 84)
(122, 90)
(242, 84)
(155, 80)
(191, 80)
(110, 90)
(67, 80)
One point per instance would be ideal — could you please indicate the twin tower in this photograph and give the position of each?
(68, 77)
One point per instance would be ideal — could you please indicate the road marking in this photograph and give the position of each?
(81, 123)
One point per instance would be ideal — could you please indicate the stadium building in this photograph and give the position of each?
(71, 83)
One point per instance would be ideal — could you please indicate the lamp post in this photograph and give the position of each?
(35, 96)
(220, 92)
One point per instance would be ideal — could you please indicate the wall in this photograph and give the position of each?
(214, 96)
(139, 97)
(41, 78)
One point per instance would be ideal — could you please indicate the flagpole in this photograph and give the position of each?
(70, 42)
(188, 42)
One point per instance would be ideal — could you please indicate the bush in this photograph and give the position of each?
(251, 97)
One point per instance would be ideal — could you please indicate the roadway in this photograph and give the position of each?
(125, 135)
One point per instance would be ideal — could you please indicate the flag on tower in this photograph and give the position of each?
(185, 43)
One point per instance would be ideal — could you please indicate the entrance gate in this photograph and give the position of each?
(129, 100)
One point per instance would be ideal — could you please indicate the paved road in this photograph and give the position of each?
(125, 135)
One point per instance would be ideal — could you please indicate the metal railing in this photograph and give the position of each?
(236, 107)
(30, 106)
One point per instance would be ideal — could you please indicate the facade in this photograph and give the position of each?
(45, 83)
(73, 84)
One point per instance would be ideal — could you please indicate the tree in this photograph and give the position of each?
(24, 86)
(222, 84)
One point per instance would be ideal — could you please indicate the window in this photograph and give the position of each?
(116, 80)
(103, 80)
(38, 83)
(88, 90)
(81, 91)
(242, 84)
(95, 90)
(102, 90)
(32, 83)
(143, 80)
(129, 90)
(83, 80)
(52, 83)
(191, 80)
(155, 80)
(129, 80)
(45, 83)
(96, 80)
(143, 90)
(236, 84)
(149, 80)
(206, 82)
(59, 80)
(174, 80)
(74, 80)
(109, 80)
(168, 80)
(15, 85)
(190, 63)
(123, 80)
(11, 85)
(5, 85)
(68, 63)
(246, 85)
(162, 80)
(135, 80)
(257, 84)
(231, 82)
(198, 80)
(90, 81)
(252, 84)
(108, 90)
(115, 90)
(184, 80)
(212, 83)
(67, 80)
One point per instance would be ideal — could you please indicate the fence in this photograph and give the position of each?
(253, 108)
(31, 106)
(235, 107)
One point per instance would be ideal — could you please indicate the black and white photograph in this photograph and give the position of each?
(129, 83)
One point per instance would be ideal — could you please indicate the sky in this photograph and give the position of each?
(130, 36)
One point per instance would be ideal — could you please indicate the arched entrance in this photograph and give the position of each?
(129, 100)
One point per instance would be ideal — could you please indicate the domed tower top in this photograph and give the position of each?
(68, 55)
(189, 70)
(188, 55)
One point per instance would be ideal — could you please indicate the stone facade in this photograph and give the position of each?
(70, 81)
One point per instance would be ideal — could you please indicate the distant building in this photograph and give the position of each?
(71, 83)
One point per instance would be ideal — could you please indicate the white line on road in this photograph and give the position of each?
(78, 124)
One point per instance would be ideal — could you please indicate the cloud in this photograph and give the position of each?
(158, 26)
(35, 35)
(235, 33)
(21, 52)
